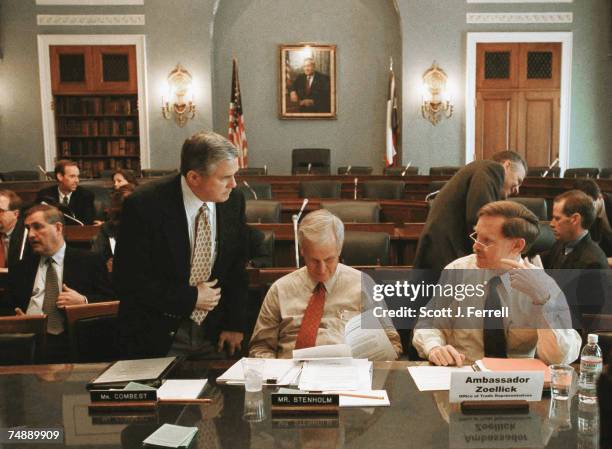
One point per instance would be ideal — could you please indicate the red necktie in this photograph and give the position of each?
(2, 252)
(307, 335)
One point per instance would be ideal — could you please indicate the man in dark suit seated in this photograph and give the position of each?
(53, 276)
(10, 203)
(179, 265)
(310, 90)
(74, 201)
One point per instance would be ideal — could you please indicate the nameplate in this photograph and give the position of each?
(498, 386)
(123, 395)
(304, 403)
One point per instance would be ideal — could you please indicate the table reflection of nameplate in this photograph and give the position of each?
(301, 422)
(494, 431)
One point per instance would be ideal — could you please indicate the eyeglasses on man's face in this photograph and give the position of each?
(474, 237)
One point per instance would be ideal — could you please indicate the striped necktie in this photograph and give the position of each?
(201, 260)
(55, 320)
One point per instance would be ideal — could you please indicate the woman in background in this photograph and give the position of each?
(122, 177)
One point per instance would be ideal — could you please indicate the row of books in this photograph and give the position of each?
(93, 169)
(96, 105)
(116, 147)
(103, 127)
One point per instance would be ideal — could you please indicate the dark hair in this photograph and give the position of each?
(578, 202)
(60, 166)
(511, 156)
(52, 214)
(588, 186)
(14, 199)
(202, 151)
(129, 176)
(520, 222)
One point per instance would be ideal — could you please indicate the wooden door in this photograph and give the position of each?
(517, 100)
(71, 69)
(114, 68)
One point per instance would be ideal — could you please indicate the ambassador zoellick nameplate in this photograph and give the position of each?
(498, 386)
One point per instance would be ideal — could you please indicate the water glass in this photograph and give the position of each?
(561, 381)
(254, 410)
(253, 373)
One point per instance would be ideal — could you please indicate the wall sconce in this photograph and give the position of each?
(434, 91)
(180, 97)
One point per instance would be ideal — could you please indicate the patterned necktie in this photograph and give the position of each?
(65, 200)
(493, 333)
(55, 320)
(2, 251)
(201, 260)
(307, 335)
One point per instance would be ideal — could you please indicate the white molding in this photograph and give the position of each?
(566, 40)
(89, 2)
(44, 64)
(519, 17)
(90, 19)
(520, 1)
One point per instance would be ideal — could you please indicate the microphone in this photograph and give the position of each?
(309, 168)
(348, 170)
(355, 181)
(246, 184)
(23, 242)
(304, 203)
(407, 167)
(555, 162)
(44, 173)
(67, 213)
(295, 218)
(265, 169)
(432, 195)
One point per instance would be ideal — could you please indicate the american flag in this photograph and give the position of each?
(236, 132)
(392, 130)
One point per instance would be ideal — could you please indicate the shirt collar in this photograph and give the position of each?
(62, 194)
(571, 245)
(58, 257)
(191, 201)
(329, 284)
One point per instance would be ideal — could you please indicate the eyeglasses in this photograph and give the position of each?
(474, 237)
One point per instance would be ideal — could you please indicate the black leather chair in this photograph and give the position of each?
(537, 172)
(387, 190)
(262, 190)
(101, 198)
(93, 331)
(263, 211)
(605, 173)
(22, 175)
(261, 248)
(443, 170)
(355, 170)
(581, 173)
(319, 158)
(536, 205)
(157, 173)
(365, 248)
(399, 171)
(253, 171)
(23, 339)
(354, 211)
(320, 189)
(544, 241)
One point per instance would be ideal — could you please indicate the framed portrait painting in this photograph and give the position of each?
(307, 81)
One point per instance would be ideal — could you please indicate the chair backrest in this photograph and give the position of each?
(365, 248)
(354, 211)
(388, 190)
(101, 198)
(22, 175)
(261, 248)
(320, 158)
(23, 339)
(263, 190)
(157, 172)
(263, 211)
(544, 241)
(92, 329)
(320, 189)
(443, 170)
(253, 171)
(536, 205)
(581, 173)
(605, 173)
(398, 171)
(355, 170)
(537, 172)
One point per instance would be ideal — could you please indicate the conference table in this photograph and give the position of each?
(54, 396)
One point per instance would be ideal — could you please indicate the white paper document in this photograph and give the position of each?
(371, 344)
(127, 370)
(323, 352)
(276, 372)
(170, 435)
(432, 378)
(181, 389)
(336, 375)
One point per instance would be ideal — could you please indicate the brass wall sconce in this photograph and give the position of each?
(434, 104)
(180, 97)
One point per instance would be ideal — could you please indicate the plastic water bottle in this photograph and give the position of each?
(590, 369)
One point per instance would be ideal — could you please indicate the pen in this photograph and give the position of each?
(355, 395)
(184, 401)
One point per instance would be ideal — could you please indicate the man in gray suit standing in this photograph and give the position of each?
(453, 213)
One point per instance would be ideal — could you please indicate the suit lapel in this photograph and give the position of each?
(175, 225)
(220, 217)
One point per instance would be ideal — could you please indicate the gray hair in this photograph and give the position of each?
(321, 226)
(204, 150)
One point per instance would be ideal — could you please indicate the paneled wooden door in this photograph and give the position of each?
(517, 100)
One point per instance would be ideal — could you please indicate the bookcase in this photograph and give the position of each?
(96, 107)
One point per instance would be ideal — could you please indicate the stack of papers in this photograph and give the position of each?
(338, 375)
(181, 389)
(276, 372)
(170, 435)
(433, 378)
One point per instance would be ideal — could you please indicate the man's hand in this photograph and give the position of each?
(233, 340)
(208, 297)
(293, 97)
(445, 356)
(529, 279)
(69, 297)
(307, 103)
(19, 312)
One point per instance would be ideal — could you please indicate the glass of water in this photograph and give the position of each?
(561, 377)
(253, 373)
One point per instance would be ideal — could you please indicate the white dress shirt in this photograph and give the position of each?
(62, 195)
(35, 307)
(192, 206)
